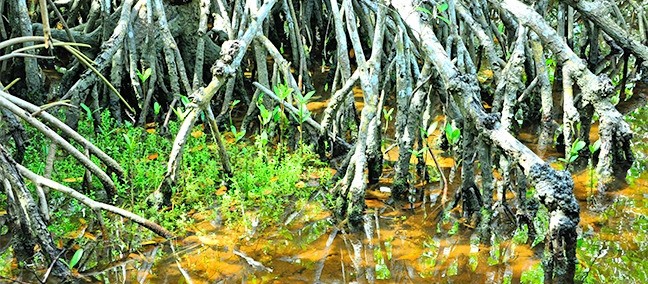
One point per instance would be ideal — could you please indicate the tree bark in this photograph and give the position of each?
(31, 226)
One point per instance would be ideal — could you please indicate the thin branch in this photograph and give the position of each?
(157, 229)
(105, 179)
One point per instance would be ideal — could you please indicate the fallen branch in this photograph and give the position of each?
(40, 180)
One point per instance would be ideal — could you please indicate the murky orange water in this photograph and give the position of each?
(397, 245)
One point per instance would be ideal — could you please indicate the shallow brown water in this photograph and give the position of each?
(398, 245)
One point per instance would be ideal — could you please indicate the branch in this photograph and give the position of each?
(159, 230)
(232, 54)
(67, 131)
(105, 179)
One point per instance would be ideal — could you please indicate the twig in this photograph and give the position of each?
(11, 84)
(16, 54)
(60, 17)
(51, 266)
(47, 31)
(251, 261)
(51, 105)
(444, 197)
(182, 270)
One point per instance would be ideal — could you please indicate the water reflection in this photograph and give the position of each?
(396, 245)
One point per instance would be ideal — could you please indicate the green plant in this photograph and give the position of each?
(533, 275)
(590, 164)
(453, 134)
(440, 8)
(231, 108)
(144, 76)
(265, 117)
(550, 64)
(238, 135)
(302, 110)
(87, 111)
(75, 258)
(418, 153)
(575, 148)
(6, 258)
(541, 225)
(283, 92)
(156, 108)
(387, 115)
(382, 270)
(428, 259)
(521, 235)
(267, 185)
(179, 112)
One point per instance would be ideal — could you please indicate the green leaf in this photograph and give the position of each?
(179, 113)
(423, 132)
(448, 130)
(60, 69)
(423, 10)
(442, 7)
(76, 257)
(147, 74)
(456, 134)
(262, 109)
(594, 147)
(144, 76)
(454, 229)
(156, 108)
(276, 114)
(578, 145)
(298, 97)
(139, 75)
(127, 138)
(185, 100)
(276, 90)
(87, 110)
(305, 117)
(444, 19)
(308, 96)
